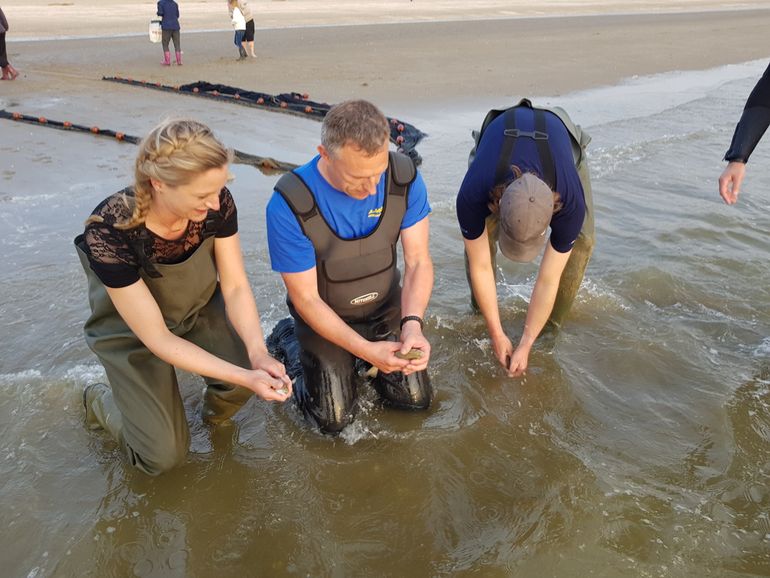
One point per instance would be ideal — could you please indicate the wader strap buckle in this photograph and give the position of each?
(535, 134)
(511, 134)
(212, 224)
(142, 246)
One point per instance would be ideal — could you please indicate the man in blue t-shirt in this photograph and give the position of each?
(332, 227)
(528, 174)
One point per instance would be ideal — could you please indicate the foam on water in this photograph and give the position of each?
(643, 96)
(763, 349)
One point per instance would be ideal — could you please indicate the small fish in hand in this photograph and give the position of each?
(411, 354)
(372, 371)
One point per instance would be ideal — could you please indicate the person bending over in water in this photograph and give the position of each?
(529, 172)
(168, 289)
(748, 132)
(332, 227)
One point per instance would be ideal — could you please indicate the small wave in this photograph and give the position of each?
(591, 291)
(643, 96)
(82, 374)
(13, 378)
(763, 349)
(79, 374)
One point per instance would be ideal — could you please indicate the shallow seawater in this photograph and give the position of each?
(638, 444)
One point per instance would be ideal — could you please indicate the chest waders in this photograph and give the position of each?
(359, 279)
(143, 409)
(573, 273)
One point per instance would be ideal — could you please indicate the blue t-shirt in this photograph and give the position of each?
(473, 198)
(292, 252)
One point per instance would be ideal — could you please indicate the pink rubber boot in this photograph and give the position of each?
(166, 59)
(179, 58)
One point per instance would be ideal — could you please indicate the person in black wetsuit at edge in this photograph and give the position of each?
(753, 124)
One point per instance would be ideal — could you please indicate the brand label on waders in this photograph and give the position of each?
(368, 298)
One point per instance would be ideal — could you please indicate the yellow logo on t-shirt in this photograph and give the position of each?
(375, 213)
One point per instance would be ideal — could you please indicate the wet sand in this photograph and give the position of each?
(46, 19)
(498, 55)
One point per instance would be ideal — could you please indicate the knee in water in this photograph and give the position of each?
(405, 391)
(333, 424)
(160, 461)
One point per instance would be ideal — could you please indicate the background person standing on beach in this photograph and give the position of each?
(168, 289)
(248, 36)
(239, 25)
(748, 132)
(333, 226)
(529, 172)
(168, 10)
(9, 72)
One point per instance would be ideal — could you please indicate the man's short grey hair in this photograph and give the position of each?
(355, 122)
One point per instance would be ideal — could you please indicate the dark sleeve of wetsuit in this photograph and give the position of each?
(754, 121)
(3, 22)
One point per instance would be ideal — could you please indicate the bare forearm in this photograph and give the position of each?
(540, 307)
(485, 292)
(417, 289)
(324, 321)
(244, 316)
(187, 356)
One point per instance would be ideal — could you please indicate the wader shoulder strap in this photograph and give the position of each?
(509, 142)
(302, 203)
(539, 135)
(543, 150)
(298, 196)
(402, 173)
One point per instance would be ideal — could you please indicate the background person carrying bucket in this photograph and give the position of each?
(168, 10)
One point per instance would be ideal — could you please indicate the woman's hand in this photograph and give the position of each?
(268, 387)
(280, 382)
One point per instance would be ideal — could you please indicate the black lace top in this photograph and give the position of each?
(116, 255)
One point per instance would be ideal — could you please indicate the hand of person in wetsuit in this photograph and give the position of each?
(730, 181)
(412, 338)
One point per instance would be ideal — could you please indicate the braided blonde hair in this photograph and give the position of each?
(175, 152)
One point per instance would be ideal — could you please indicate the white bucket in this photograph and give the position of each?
(156, 34)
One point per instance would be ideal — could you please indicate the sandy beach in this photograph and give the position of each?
(399, 53)
(42, 19)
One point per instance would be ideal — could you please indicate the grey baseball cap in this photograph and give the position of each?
(526, 208)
